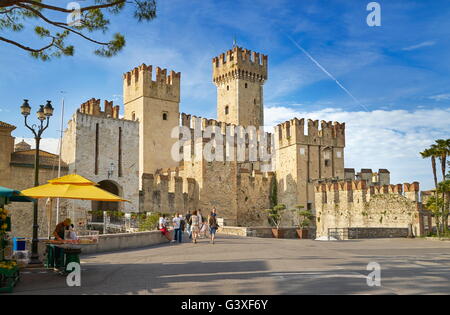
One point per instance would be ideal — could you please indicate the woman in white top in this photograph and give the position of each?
(194, 222)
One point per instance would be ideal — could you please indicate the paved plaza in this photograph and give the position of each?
(255, 266)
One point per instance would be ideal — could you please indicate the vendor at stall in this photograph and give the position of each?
(61, 228)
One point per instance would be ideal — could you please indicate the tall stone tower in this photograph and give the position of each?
(155, 104)
(304, 160)
(239, 75)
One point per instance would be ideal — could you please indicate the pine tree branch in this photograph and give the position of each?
(60, 25)
(26, 47)
(9, 3)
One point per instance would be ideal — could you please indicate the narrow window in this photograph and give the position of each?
(254, 101)
(227, 110)
(246, 85)
(120, 153)
(228, 87)
(133, 116)
(164, 116)
(96, 150)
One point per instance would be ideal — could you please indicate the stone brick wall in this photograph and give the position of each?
(356, 205)
(304, 159)
(89, 138)
(253, 197)
(168, 193)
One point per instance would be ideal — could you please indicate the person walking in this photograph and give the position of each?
(194, 222)
(213, 225)
(177, 228)
(200, 223)
(187, 218)
(163, 227)
(204, 228)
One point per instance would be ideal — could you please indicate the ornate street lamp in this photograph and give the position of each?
(43, 114)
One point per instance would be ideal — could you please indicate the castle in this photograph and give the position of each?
(162, 160)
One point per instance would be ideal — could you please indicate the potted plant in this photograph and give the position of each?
(304, 218)
(274, 216)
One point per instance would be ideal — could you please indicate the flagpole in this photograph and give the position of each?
(60, 150)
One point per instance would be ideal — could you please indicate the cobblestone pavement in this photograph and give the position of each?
(236, 265)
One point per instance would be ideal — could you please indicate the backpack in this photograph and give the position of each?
(182, 225)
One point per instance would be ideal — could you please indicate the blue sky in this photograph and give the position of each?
(399, 72)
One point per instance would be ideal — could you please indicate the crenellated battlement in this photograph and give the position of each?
(293, 132)
(196, 123)
(92, 107)
(255, 175)
(382, 177)
(201, 123)
(240, 63)
(349, 190)
(139, 82)
(165, 192)
(235, 142)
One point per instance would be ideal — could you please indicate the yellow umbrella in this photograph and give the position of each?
(71, 186)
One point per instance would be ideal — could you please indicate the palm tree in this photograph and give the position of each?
(432, 153)
(442, 148)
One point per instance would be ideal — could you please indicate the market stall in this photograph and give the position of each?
(9, 270)
(63, 250)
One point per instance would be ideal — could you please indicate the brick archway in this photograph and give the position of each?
(112, 187)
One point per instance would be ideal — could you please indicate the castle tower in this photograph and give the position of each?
(304, 160)
(155, 104)
(239, 75)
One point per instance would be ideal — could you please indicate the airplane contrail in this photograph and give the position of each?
(328, 74)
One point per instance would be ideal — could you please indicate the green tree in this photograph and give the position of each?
(442, 150)
(274, 215)
(444, 189)
(148, 223)
(432, 154)
(304, 217)
(53, 24)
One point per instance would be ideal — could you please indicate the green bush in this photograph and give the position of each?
(149, 223)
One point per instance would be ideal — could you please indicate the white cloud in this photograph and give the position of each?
(421, 45)
(47, 144)
(382, 138)
(440, 97)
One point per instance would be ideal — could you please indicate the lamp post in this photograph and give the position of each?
(111, 170)
(43, 114)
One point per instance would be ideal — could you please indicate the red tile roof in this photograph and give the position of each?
(5, 125)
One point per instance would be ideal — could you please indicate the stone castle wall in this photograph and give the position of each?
(103, 150)
(168, 193)
(155, 104)
(354, 204)
(305, 158)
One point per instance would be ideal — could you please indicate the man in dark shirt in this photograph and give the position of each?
(60, 229)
